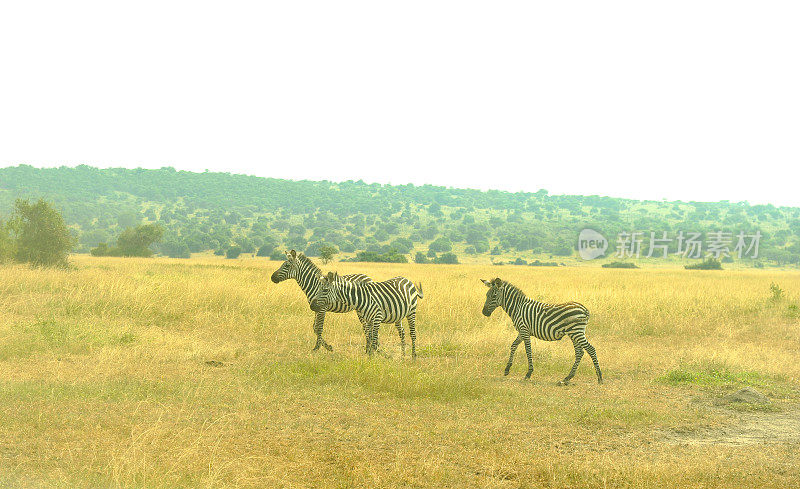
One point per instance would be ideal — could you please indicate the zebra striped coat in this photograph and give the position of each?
(549, 322)
(390, 301)
(297, 266)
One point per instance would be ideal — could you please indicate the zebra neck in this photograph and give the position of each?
(512, 302)
(352, 295)
(309, 281)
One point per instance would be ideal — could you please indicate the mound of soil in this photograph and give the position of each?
(748, 395)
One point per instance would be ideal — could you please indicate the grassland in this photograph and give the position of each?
(199, 373)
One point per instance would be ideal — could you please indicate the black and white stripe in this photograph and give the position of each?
(297, 266)
(385, 302)
(549, 322)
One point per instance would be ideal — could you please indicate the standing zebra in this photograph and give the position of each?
(376, 302)
(309, 277)
(549, 322)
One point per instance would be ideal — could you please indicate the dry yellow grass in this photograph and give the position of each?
(104, 381)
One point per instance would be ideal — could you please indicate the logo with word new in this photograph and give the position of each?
(591, 244)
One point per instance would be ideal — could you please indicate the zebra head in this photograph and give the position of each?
(492, 296)
(289, 269)
(326, 293)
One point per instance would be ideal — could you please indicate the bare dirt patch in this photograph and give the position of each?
(747, 428)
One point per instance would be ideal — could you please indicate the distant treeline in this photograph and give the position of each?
(220, 211)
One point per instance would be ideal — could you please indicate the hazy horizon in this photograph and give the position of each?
(367, 181)
(686, 101)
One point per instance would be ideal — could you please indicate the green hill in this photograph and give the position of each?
(213, 211)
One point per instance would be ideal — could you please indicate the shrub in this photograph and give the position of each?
(537, 263)
(709, 264)
(372, 256)
(233, 252)
(101, 250)
(420, 258)
(777, 292)
(620, 264)
(277, 255)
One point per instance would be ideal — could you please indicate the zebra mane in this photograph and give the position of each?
(511, 290)
(306, 261)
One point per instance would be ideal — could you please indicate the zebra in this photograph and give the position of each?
(377, 302)
(549, 322)
(309, 278)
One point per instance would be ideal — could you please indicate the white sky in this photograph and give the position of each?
(692, 100)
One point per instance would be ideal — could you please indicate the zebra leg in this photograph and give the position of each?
(368, 337)
(412, 331)
(374, 336)
(590, 350)
(399, 326)
(514, 346)
(373, 322)
(578, 343)
(527, 341)
(365, 325)
(319, 321)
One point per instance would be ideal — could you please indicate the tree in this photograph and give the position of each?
(446, 259)
(42, 238)
(327, 252)
(137, 241)
(6, 244)
(128, 219)
(176, 249)
(441, 245)
(402, 245)
(233, 252)
(420, 258)
(266, 250)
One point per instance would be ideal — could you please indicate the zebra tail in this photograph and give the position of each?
(420, 295)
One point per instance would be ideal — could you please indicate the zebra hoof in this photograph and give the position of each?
(528, 376)
(506, 371)
(563, 382)
(328, 347)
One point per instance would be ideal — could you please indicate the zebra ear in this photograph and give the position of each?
(293, 253)
(497, 282)
(486, 283)
(331, 276)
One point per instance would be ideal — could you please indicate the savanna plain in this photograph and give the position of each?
(199, 373)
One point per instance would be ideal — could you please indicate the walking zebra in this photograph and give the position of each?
(549, 322)
(309, 277)
(376, 302)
